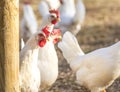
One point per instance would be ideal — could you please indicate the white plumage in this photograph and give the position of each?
(96, 70)
(80, 12)
(29, 72)
(43, 8)
(72, 16)
(54, 4)
(48, 64)
(47, 59)
(46, 5)
(67, 11)
(28, 23)
(30, 75)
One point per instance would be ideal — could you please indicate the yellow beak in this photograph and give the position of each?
(58, 19)
(60, 38)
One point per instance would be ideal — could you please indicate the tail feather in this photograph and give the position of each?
(70, 47)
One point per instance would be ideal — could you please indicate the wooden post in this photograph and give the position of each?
(9, 45)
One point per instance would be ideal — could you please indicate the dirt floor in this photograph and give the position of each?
(101, 29)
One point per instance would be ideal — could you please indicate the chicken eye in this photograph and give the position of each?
(52, 16)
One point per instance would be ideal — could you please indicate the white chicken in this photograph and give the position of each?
(72, 16)
(46, 5)
(96, 70)
(28, 23)
(48, 60)
(29, 72)
(30, 77)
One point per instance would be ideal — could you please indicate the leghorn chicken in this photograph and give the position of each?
(96, 70)
(48, 60)
(29, 71)
(28, 23)
(72, 16)
(46, 5)
(30, 77)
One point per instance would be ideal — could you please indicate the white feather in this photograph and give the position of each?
(80, 12)
(54, 4)
(29, 72)
(67, 11)
(72, 16)
(46, 5)
(28, 23)
(47, 59)
(48, 64)
(96, 70)
(43, 8)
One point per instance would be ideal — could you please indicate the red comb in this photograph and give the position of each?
(46, 31)
(56, 32)
(55, 12)
(42, 41)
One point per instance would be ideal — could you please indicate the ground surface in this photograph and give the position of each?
(101, 28)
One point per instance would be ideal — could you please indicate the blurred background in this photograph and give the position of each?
(101, 28)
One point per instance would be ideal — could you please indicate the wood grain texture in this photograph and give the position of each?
(9, 46)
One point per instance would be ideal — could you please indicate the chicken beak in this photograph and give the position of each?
(58, 19)
(60, 38)
(47, 39)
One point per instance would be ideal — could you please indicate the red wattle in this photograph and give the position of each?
(55, 40)
(56, 32)
(45, 30)
(54, 22)
(42, 43)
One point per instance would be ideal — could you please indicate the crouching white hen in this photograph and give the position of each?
(96, 70)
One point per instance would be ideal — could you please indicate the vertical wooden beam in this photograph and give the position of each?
(9, 45)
